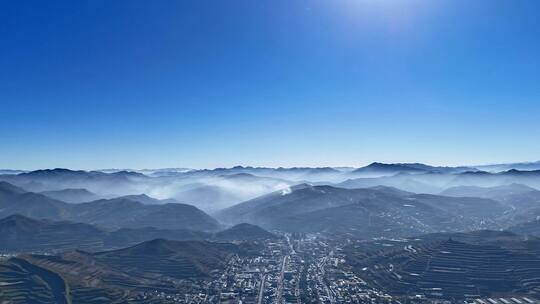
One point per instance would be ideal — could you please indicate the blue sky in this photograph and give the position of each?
(138, 84)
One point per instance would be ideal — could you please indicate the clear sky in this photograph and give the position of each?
(135, 84)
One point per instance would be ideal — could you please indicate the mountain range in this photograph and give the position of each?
(119, 212)
(367, 212)
(116, 236)
(215, 189)
(22, 234)
(375, 200)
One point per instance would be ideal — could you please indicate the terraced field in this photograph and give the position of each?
(111, 276)
(23, 282)
(167, 258)
(452, 270)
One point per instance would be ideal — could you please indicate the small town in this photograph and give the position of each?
(299, 269)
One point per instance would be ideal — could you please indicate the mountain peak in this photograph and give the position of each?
(156, 247)
(244, 231)
(382, 167)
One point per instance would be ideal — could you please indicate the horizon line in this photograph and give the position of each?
(263, 167)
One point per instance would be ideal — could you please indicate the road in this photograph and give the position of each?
(321, 265)
(261, 289)
(281, 277)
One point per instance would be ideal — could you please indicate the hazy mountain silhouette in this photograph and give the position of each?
(73, 196)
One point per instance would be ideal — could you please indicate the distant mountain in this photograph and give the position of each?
(435, 182)
(523, 200)
(10, 171)
(208, 197)
(362, 212)
(486, 179)
(439, 169)
(147, 200)
(9, 189)
(111, 213)
(387, 169)
(14, 200)
(525, 166)
(295, 200)
(403, 181)
(77, 196)
(294, 174)
(128, 213)
(122, 182)
(467, 207)
(159, 172)
(67, 173)
(163, 171)
(381, 169)
(488, 192)
(212, 193)
(244, 231)
(520, 197)
(520, 173)
(260, 170)
(73, 196)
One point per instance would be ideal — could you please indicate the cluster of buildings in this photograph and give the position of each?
(326, 278)
(297, 269)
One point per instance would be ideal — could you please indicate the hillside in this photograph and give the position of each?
(73, 196)
(123, 212)
(527, 228)
(111, 276)
(244, 232)
(169, 258)
(363, 212)
(382, 169)
(121, 182)
(20, 233)
(14, 200)
(443, 267)
(407, 182)
(24, 282)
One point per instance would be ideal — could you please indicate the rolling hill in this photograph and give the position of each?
(363, 212)
(243, 232)
(123, 212)
(382, 169)
(22, 234)
(122, 182)
(112, 276)
(453, 266)
(14, 200)
(73, 196)
(497, 192)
